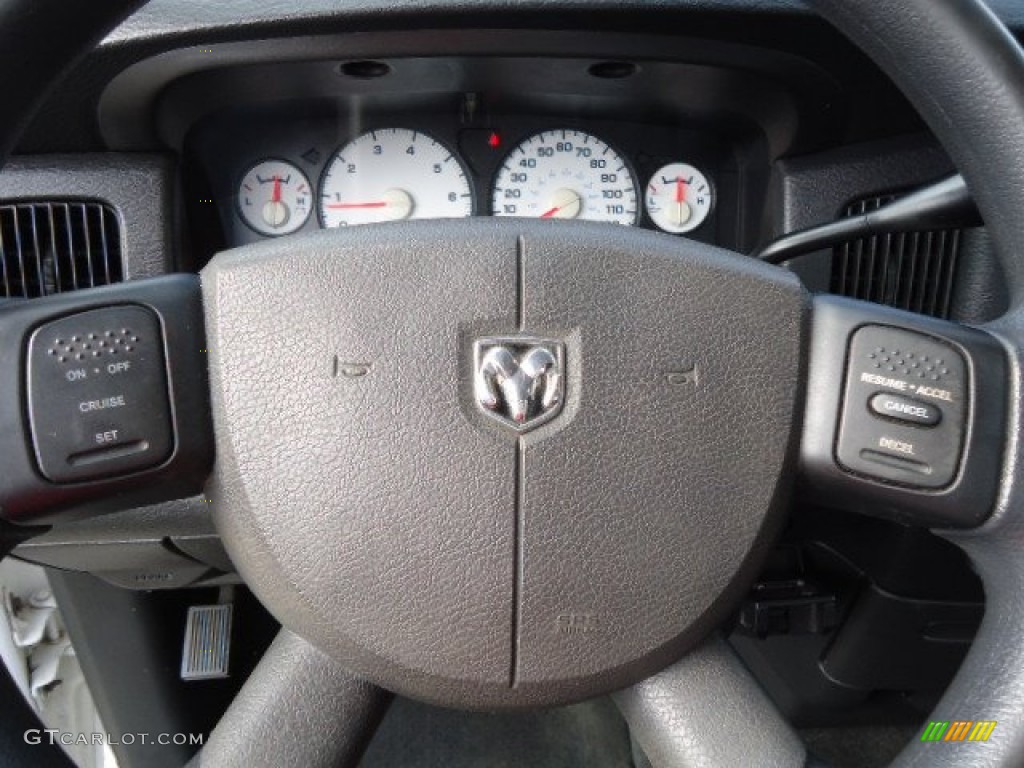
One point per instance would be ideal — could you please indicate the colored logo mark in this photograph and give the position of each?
(958, 730)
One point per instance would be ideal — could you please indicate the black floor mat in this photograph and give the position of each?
(863, 747)
(415, 735)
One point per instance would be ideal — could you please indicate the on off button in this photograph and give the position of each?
(905, 409)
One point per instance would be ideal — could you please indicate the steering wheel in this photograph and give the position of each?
(496, 464)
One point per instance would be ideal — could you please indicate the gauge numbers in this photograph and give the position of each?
(566, 174)
(393, 174)
(679, 198)
(274, 198)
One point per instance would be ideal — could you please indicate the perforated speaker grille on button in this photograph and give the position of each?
(908, 363)
(104, 343)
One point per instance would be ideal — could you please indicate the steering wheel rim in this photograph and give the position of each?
(971, 104)
(966, 101)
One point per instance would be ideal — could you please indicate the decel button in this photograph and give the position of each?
(905, 409)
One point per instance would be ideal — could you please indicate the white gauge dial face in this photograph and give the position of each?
(274, 198)
(678, 198)
(393, 174)
(566, 174)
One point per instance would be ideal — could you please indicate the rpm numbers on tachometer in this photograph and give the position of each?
(393, 174)
(566, 174)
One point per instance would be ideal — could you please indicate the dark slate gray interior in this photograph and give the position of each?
(406, 543)
(426, 517)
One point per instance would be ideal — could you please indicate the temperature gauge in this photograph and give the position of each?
(274, 198)
(679, 198)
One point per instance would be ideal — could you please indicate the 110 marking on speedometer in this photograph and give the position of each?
(566, 174)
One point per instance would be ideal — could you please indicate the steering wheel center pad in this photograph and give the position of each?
(382, 514)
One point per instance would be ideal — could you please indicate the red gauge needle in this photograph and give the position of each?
(552, 212)
(342, 206)
(276, 197)
(680, 190)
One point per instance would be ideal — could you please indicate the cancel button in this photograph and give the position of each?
(905, 409)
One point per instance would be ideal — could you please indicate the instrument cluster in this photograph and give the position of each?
(310, 174)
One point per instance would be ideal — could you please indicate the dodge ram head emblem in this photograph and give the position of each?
(519, 381)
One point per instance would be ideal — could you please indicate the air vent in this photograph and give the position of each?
(913, 271)
(51, 247)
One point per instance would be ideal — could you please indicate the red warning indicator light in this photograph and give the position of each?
(494, 140)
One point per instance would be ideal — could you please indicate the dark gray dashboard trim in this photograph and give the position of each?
(164, 546)
(67, 121)
(167, 18)
(139, 187)
(812, 189)
(805, 92)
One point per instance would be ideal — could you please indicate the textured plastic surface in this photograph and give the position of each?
(396, 555)
(167, 17)
(638, 516)
(164, 546)
(947, 204)
(298, 708)
(904, 407)
(975, 105)
(706, 711)
(705, 79)
(139, 187)
(23, 24)
(25, 496)
(898, 643)
(981, 119)
(97, 394)
(811, 189)
(432, 550)
(839, 427)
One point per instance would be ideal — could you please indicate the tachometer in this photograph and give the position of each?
(566, 174)
(393, 174)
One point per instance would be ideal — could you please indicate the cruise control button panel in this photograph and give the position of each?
(97, 394)
(903, 411)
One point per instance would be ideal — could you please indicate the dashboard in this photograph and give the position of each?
(283, 169)
(273, 150)
(206, 126)
(298, 174)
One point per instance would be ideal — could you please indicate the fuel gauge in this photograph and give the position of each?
(274, 198)
(678, 198)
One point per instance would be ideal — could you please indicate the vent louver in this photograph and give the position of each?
(55, 247)
(915, 271)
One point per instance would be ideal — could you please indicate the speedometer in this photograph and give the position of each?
(566, 174)
(393, 174)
